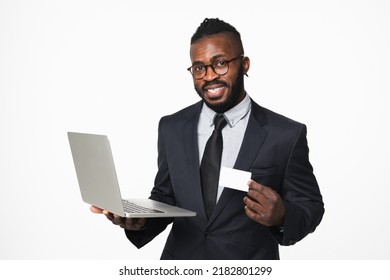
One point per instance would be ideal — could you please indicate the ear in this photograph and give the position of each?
(246, 64)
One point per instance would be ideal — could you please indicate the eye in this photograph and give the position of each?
(220, 63)
(198, 68)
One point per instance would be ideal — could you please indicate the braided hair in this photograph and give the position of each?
(213, 26)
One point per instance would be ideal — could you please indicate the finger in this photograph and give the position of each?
(109, 215)
(255, 186)
(253, 215)
(117, 220)
(266, 191)
(259, 197)
(134, 224)
(96, 210)
(255, 207)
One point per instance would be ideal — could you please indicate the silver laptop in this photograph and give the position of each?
(98, 181)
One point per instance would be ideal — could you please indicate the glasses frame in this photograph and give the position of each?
(212, 65)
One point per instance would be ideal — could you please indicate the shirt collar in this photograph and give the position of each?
(232, 116)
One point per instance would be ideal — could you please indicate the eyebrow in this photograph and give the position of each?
(215, 57)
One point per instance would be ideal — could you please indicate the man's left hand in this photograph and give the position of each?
(264, 205)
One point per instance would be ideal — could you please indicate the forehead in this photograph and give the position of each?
(210, 47)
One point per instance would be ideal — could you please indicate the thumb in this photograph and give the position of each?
(96, 210)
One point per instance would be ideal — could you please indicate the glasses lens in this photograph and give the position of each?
(198, 71)
(220, 67)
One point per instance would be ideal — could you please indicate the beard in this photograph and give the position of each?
(232, 98)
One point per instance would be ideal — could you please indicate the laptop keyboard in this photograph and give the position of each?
(131, 207)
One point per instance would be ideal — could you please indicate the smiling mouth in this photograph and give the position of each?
(215, 92)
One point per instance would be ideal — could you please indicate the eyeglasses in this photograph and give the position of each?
(220, 67)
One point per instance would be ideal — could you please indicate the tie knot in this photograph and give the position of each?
(219, 122)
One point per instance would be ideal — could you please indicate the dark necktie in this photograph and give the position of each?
(211, 164)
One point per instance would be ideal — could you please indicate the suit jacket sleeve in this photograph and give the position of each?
(162, 192)
(301, 195)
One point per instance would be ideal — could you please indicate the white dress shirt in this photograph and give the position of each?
(232, 134)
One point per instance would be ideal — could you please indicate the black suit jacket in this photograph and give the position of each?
(274, 149)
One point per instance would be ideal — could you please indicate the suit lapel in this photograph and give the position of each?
(254, 137)
(190, 140)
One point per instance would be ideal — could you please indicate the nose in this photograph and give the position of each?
(210, 74)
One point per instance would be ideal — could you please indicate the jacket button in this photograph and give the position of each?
(208, 234)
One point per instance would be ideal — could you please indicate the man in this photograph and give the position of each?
(283, 203)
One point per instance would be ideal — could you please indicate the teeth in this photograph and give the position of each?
(214, 90)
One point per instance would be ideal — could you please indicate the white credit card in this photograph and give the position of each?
(234, 179)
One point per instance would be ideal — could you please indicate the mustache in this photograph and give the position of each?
(212, 83)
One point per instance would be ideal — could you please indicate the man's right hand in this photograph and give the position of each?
(126, 223)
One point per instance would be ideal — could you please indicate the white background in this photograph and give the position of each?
(116, 67)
